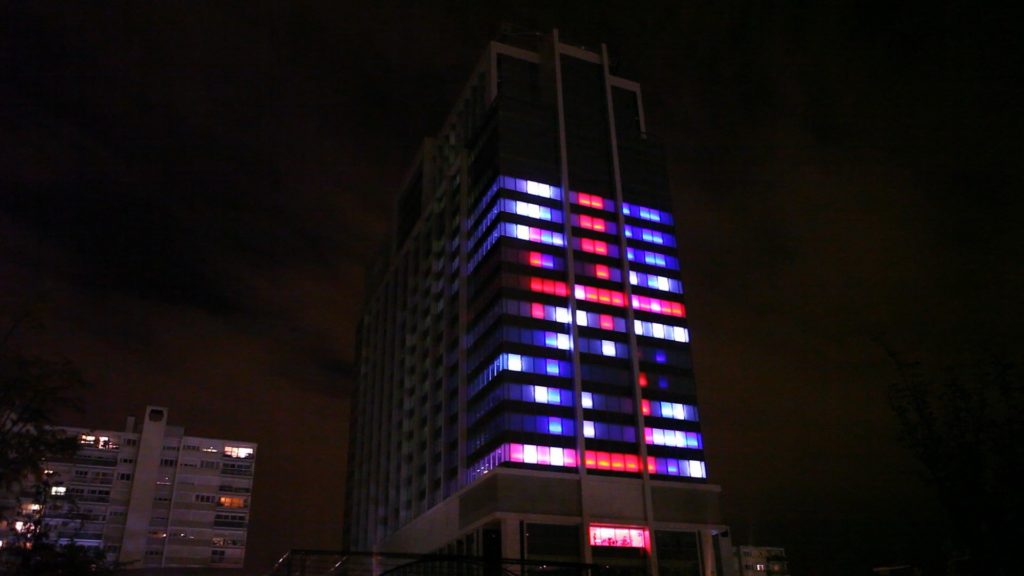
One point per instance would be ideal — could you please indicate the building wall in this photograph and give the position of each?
(531, 321)
(154, 497)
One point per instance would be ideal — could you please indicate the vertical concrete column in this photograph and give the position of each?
(707, 553)
(140, 502)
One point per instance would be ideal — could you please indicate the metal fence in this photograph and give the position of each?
(348, 563)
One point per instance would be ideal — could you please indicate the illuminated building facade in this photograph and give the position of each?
(151, 496)
(525, 382)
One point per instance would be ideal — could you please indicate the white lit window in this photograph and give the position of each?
(238, 452)
(58, 490)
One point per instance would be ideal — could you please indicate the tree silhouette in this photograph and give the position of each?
(965, 426)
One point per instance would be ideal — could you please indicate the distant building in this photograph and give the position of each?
(526, 389)
(150, 496)
(762, 561)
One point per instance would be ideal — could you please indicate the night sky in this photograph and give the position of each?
(190, 194)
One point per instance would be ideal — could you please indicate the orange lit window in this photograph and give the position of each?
(231, 502)
(615, 461)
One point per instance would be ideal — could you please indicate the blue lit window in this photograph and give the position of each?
(605, 402)
(606, 431)
(545, 338)
(648, 235)
(672, 410)
(674, 438)
(651, 258)
(602, 321)
(663, 331)
(675, 467)
(520, 363)
(530, 210)
(655, 282)
(608, 348)
(644, 213)
(530, 187)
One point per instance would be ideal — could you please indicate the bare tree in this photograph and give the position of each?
(965, 425)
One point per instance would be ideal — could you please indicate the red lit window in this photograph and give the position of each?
(546, 286)
(537, 310)
(645, 407)
(536, 259)
(620, 536)
(606, 321)
(601, 271)
(643, 379)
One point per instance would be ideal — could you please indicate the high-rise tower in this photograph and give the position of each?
(525, 384)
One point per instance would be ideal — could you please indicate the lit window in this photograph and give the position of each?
(599, 247)
(659, 306)
(599, 295)
(58, 490)
(662, 331)
(648, 235)
(644, 213)
(602, 321)
(231, 502)
(524, 454)
(672, 410)
(548, 286)
(651, 258)
(614, 461)
(676, 467)
(591, 201)
(655, 282)
(601, 271)
(619, 536)
(674, 438)
(593, 223)
(542, 260)
(238, 452)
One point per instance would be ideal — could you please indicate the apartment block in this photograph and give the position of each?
(150, 496)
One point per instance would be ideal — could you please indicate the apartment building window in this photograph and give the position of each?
(232, 502)
(125, 476)
(168, 462)
(238, 452)
(209, 465)
(205, 498)
(217, 556)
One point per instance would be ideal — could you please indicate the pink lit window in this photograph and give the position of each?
(593, 223)
(606, 321)
(619, 536)
(645, 407)
(659, 306)
(594, 246)
(601, 271)
(642, 379)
